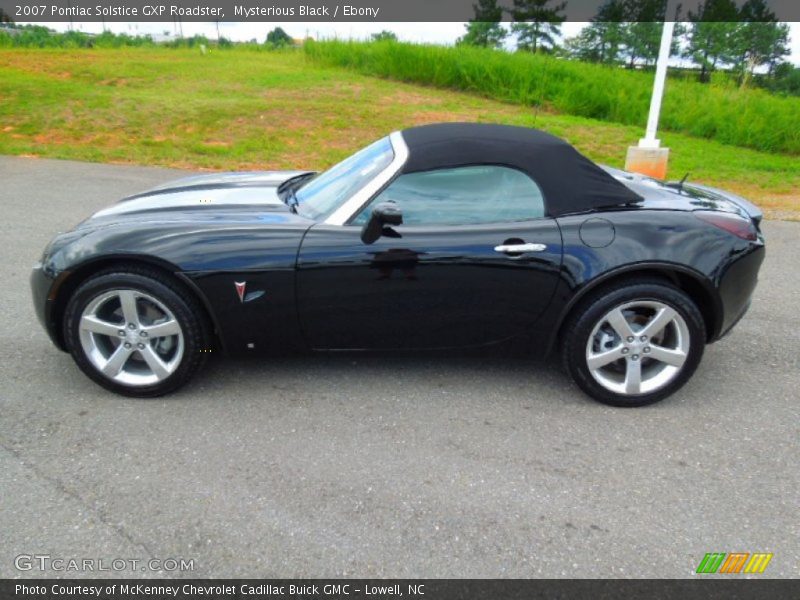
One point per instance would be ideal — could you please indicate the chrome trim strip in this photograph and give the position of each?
(354, 204)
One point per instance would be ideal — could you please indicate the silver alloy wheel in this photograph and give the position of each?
(638, 347)
(131, 337)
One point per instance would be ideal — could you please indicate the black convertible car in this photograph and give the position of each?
(436, 237)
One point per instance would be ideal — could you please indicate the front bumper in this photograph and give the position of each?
(43, 301)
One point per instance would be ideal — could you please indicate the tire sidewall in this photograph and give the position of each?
(193, 338)
(574, 355)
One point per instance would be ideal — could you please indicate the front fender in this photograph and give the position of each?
(209, 260)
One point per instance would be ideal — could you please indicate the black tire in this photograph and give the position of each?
(588, 313)
(183, 305)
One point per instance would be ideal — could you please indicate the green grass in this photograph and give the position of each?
(248, 109)
(749, 118)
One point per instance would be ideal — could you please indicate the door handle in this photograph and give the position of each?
(520, 248)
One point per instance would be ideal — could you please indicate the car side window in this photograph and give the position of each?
(462, 196)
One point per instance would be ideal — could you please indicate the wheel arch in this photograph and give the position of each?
(69, 280)
(691, 282)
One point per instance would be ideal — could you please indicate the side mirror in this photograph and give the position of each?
(384, 213)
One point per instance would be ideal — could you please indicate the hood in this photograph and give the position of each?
(193, 204)
(690, 196)
(204, 193)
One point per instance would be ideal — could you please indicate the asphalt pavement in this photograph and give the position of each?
(355, 466)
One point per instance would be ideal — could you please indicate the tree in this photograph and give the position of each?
(601, 40)
(785, 79)
(712, 35)
(384, 36)
(278, 38)
(641, 41)
(5, 17)
(536, 24)
(485, 29)
(641, 37)
(759, 40)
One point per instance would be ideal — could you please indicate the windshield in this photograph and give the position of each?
(322, 195)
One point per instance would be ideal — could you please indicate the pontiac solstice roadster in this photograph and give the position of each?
(436, 237)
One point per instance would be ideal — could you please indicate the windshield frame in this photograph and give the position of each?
(352, 205)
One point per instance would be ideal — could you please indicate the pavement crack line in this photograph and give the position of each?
(60, 487)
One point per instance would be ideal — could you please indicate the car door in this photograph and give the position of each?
(474, 262)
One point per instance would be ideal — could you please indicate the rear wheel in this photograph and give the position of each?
(634, 344)
(136, 332)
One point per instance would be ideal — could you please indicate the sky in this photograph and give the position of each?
(438, 33)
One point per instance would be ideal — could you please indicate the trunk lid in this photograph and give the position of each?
(673, 195)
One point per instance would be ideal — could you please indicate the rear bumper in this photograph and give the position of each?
(736, 286)
(735, 321)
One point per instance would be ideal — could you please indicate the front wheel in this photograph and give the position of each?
(135, 332)
(634, 344)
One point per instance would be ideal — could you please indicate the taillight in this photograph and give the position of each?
(738, 226)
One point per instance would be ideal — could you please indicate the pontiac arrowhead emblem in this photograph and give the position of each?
(240, 287)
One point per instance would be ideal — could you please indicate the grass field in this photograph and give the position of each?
(751, 118)
(249, 109)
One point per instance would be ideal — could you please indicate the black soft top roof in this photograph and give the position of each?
(569, 181)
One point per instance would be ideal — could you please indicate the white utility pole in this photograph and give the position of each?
(650, 140)
(649, 158)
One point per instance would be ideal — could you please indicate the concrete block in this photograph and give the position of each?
(648, 161)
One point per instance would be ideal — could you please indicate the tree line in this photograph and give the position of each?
(38, 36)
(716, 35)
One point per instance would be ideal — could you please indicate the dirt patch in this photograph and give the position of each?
(61, 137)
(407, 98)
(113, 82)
